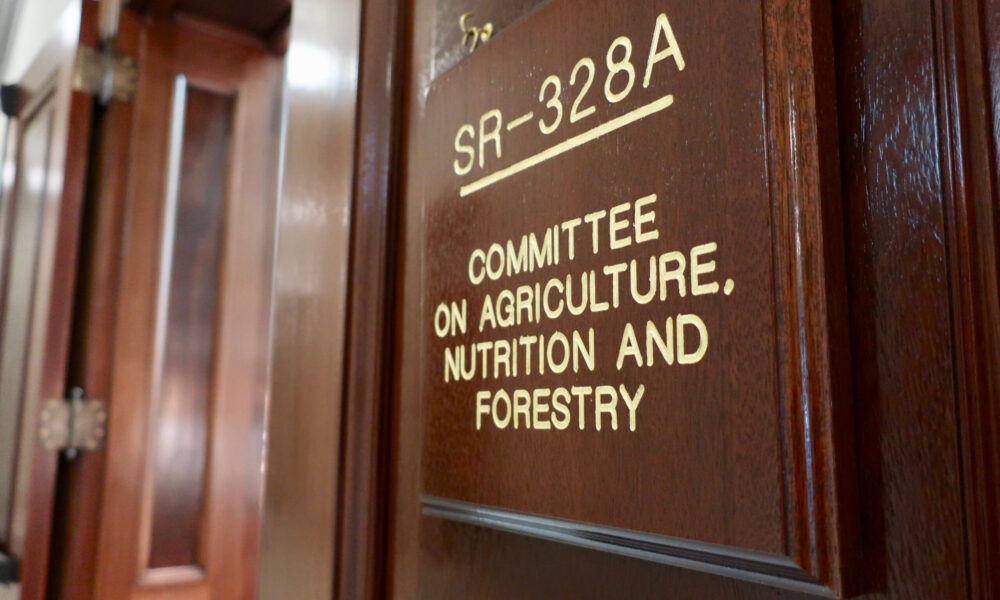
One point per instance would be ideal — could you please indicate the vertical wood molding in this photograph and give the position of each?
(78, 505)
(969, 186)
(820, 481)
(360, 552)
(404, 470)
(54, 294)
(310, 310)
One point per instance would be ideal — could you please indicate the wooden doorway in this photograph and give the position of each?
(160, 233)
(886, 113)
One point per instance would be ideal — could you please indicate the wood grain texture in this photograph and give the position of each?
(969, 182)
(230, 521)
(898, 283)
(820, 480)
(185, 373)
(749, 452)
(903, 373)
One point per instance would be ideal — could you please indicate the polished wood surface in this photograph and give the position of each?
(971, 211)
(915, 89)
(228, 522)
(80, 495)
(185, 367)
(901, 340)
(919, 216)
(47, 87)
(310, 287)
(264, 19)
(730, 462)
(371, 319)
(986, 409)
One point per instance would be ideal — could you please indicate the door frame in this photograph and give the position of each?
(50, 78)
(335, 308)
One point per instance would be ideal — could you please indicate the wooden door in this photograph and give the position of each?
(39, 228)
(695, 300)
(161, 307)
(188, 370)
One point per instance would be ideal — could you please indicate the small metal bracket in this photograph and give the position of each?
(105, 74)
(73, 425)
(472, 36)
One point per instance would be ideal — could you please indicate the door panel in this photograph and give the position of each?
(187, 326)
(189, 377)
(740, 463)
(43, 201)
(26, 228)
(917, 389)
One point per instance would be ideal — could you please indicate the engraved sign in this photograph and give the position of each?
(612, 325)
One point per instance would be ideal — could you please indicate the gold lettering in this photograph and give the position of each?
(662, 29)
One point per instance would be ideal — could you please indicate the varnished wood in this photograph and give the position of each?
(304, 447)
(744, 458)
(374, 245)
(47, 85)
(900, 335)
(80, 498)
(919, 258)
(918, 140)
(448, 49)
(969, 184)
(183, 388)
(260, 18)
(228, 536)
(813, 340)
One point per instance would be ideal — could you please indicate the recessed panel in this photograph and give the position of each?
(187, 328)
(610, 302)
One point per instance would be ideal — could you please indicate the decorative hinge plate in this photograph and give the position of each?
(106, 75)
(73, 425)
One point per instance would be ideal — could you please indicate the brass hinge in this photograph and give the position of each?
(106, 75)
(74, 424)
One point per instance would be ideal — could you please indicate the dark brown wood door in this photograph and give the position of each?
(696, 300)
(187, 373)
(161, 307)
